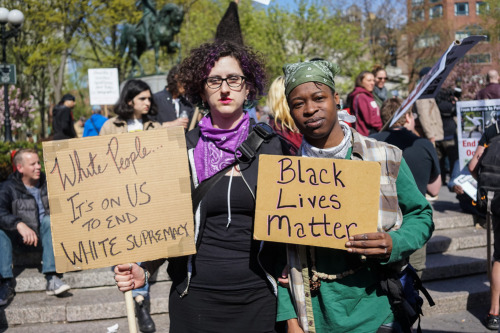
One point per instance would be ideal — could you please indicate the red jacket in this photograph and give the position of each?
(364, 107)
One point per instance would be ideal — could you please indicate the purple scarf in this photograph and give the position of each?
(215, 148)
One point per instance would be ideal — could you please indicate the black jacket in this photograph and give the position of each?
(166, 108)
(62, 123)
(18, 205)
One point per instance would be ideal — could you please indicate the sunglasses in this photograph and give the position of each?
(382, 78)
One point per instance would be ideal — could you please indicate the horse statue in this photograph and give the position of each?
(166, 25)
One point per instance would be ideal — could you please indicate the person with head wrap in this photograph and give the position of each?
(62, 118)
(334, 290)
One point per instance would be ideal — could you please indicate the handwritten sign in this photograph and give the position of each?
(119, 198)
(103, 86)
(315, 201)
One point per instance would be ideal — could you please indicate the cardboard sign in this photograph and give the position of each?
(119, 198)
(315, 201)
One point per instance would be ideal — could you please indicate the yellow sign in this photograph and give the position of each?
(315, 201)
(119, 198)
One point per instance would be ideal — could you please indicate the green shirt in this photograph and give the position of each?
(355, 303)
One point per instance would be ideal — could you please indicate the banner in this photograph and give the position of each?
(119, 198)
(315, 201)
(430, 84)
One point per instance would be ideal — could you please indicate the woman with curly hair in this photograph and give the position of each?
(133, 109)
(227, 286)
(282, 123)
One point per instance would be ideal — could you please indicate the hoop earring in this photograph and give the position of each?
(339, 107)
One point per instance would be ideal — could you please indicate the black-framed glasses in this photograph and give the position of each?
(233, 81)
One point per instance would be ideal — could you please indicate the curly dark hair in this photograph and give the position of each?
(194, 69)
(131, 89)
(172, 78)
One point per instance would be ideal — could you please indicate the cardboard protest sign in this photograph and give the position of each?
(315, 201)
(430, 84)
(119, 198)
(473, 117)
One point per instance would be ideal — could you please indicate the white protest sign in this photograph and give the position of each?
(104, 88)
(429, 86)
(472, 119)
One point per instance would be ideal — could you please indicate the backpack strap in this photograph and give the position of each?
(244, 154)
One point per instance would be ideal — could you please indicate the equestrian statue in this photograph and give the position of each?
(155, 29)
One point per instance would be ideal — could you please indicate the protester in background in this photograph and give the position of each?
(173, 108)
(447, 148)
(380, 92)
(429, 124)
(363, 105)
(492, 89)
(134, 108)
(227, 286)
(62, 118)
(419, 154)
(336, 290)
(79, 126)
(25, 223)
(282, 123)
(492, 320)
(464, 200)
(93, 126)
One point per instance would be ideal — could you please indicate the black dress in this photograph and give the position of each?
(229, 291)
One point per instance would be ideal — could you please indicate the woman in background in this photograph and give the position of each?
(380, 92)
(282, 122)
(363, 105)
(132, 110)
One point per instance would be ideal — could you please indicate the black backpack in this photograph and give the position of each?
(489, 171)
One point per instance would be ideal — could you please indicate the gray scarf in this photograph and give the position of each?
(381, 93)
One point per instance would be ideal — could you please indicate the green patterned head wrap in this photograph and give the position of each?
(321, 71)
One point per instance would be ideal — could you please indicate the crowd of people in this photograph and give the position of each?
(235, 283)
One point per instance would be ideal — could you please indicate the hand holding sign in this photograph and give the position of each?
(377, 244)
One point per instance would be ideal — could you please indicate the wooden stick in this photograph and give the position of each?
(194, 120)
(129, 303)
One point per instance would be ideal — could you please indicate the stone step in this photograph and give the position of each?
(449, 240)
(457, 294)
(441, 266)
(30, 279)
(77, 305)
(162, 323)
(102, 307)
(452, 220)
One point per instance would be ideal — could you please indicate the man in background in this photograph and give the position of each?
(62, 118)
(25, 223)
(492, 89)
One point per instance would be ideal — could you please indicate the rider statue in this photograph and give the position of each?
(148, 18)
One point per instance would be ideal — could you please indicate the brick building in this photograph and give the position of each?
(434, 24)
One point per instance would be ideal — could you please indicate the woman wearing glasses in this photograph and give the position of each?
(363, 105)
(227, 286)
(380, 92)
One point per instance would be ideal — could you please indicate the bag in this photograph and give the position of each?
(489, 171)
(403, 292)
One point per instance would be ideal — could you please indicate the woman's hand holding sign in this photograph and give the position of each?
(129, 276)
(376, 244)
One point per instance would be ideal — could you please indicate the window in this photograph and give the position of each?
(436, 11)
(434, 1)
(417, 2)
(479, 58)
(417, 15)
(427, 41)
(461, 9)
(482, 7)
(461, 35)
